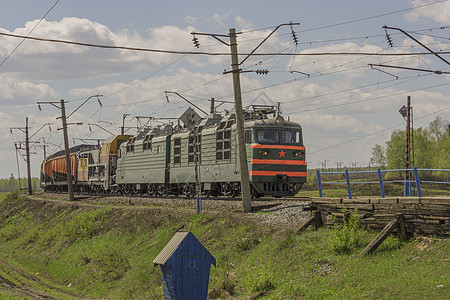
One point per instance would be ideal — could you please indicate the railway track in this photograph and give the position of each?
(279, 212)
(79, 196)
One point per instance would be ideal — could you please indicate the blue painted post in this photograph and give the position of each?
(380, 179)
(406, 189)
(416, 176)
(348, 185)
(319, 183)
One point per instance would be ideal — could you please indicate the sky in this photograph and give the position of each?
(343, 104)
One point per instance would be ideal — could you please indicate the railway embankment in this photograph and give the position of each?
(102, 247)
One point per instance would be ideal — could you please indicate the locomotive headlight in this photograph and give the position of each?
(299, 154)
(279, 120)
(263, 152)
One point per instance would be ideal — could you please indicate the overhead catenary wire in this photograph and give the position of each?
(354, 21)
(210, 53)
(376, 132)
(37, 24)
(285, 54)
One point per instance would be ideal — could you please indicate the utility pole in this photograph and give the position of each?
(196, 162)
(212, 108)
(407, 114)
(66, 137)
(27, 149)
(409, 145)
(44, 147)
(122, 132)
(66, 149)
(18, 168)
(243, 165)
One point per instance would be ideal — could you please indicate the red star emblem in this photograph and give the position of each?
(282, 153)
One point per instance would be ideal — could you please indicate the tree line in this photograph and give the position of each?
(431, 148)
(15, 184)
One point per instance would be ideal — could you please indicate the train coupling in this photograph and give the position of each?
(282, 178)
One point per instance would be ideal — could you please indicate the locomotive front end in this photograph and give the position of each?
(277, 165)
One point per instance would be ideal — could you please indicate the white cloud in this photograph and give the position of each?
(243, 24)
(220, 19)
(14, 91)
(439, 13)
(191, 20)
(45, 61)
(151, 91)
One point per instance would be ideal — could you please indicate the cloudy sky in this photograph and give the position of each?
(344, 106)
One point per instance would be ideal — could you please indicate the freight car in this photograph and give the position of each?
(54, 170)
(93, 167)
(163, 160)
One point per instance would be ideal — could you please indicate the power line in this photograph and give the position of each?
(9, 55)
(374, 98)
(211, 53)
(352, 21)
(373, 17)
(374, 133)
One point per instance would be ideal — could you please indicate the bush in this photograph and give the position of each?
(344, 236)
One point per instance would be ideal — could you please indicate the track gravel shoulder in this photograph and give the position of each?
(276, 213)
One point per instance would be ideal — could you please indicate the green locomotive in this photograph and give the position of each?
(162, 161)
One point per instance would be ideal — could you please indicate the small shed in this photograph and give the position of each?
(185, 265)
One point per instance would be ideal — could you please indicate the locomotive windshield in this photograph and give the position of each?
(265, 136)
(290, 137)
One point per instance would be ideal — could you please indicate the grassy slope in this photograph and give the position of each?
(70, 251)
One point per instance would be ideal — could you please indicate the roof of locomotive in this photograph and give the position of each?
(212, 122)
(271, 122)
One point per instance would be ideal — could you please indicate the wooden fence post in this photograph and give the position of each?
(387, 230)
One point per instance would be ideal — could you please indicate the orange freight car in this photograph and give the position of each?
(54, 170)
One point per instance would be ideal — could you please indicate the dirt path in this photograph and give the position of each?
(28, 285)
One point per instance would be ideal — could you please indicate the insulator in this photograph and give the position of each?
(258, 71)
(388, 39)
(196, 42)
(294, 37)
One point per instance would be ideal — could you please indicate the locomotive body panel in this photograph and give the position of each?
(145, 162)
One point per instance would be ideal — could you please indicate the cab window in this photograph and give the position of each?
(290, 137)
(248, 136)
(267, 136)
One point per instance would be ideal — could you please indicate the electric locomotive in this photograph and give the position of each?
(172, 160)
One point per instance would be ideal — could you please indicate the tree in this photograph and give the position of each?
(378, 158)
(438, 128)
(395, 150)
(431, 147)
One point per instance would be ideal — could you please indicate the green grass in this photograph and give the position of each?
(74, 251)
